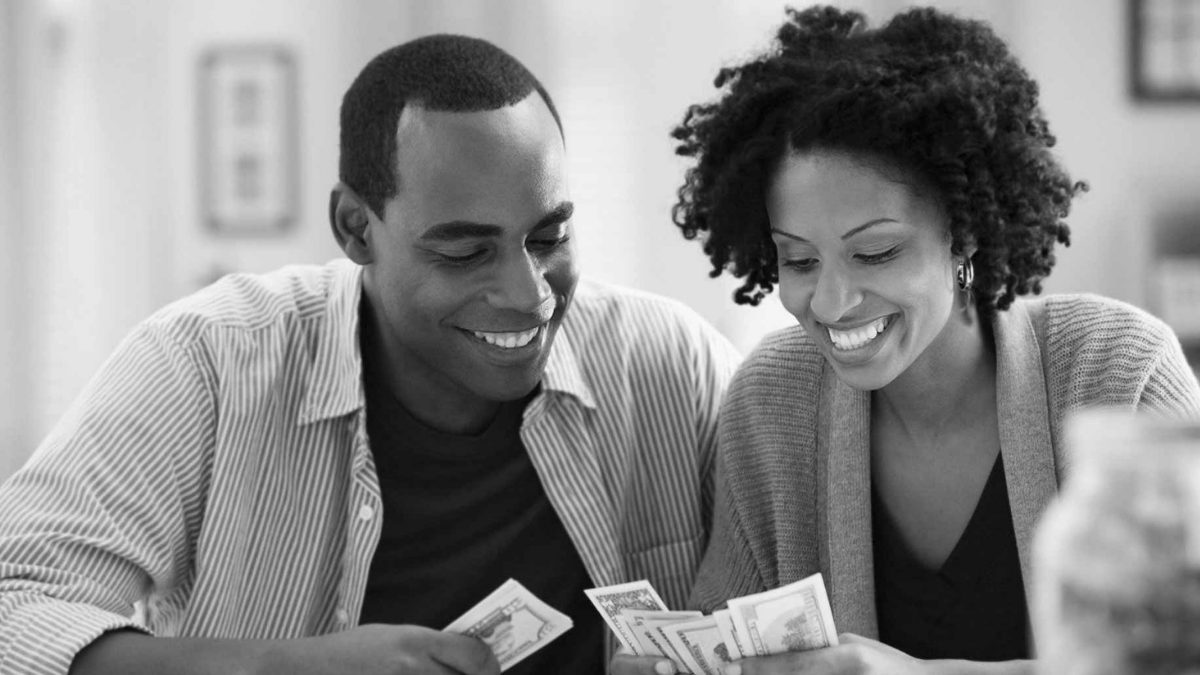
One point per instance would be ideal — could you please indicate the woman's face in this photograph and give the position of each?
(864, 263)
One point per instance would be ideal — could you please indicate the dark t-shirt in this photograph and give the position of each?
(974, 606)
(461, 515)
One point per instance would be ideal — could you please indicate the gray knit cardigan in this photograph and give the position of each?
(793, 468)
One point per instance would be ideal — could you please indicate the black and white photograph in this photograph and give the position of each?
(639, 337)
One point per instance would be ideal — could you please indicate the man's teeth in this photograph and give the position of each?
(853, 339)
(508, 340)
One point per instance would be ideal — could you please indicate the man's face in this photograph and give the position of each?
(472, 263)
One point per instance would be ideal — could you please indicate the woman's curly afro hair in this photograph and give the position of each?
(930, 93)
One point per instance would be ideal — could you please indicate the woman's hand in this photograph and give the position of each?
(855, 655)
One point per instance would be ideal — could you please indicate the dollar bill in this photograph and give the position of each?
(611, 600)
(513, 622)
(699, 644)
(795, 617)
(733, 642)
(647, 627)
(649, 639)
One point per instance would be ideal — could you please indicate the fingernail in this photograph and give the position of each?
(733, 669)
(664, 668)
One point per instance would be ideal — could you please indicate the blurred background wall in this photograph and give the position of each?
(100, 152)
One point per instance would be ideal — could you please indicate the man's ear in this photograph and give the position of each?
(349, 217)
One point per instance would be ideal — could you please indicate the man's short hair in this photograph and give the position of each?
(450, 73)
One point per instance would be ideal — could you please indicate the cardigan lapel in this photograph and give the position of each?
(844, 502)
(1025, 441)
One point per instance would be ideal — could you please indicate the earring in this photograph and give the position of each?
(965, 274)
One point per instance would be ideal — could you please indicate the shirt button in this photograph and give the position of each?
(366, 512)
(342, 616)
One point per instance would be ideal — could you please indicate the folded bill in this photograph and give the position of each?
(513, 622)
(795, 617)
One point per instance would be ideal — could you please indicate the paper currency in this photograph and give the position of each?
(699, 644)
(642, 625)
(795, 617)
(791, 618)
(513, 622)
(647, 628)
(611, 600)
(733, 642)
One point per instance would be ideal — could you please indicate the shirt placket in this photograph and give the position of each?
(364, 523)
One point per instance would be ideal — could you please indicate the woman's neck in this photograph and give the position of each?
(953, 378)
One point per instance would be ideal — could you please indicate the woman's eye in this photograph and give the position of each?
(876, 258)
(800, 264)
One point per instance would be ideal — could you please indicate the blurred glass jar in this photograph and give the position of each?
(1117, 555)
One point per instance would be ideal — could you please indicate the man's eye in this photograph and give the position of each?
(548, 244)
(462, 259)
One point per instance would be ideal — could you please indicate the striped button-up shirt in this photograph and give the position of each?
(215, 478)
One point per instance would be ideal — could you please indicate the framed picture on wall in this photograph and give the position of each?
(1164, 48)
(248, 139)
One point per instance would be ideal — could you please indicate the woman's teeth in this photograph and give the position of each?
(508, 340)
(847, 340)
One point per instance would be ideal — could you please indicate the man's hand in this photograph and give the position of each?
(366, 650)
(378, 649)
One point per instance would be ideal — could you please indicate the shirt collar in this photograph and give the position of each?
(564, 372)
(334, 385)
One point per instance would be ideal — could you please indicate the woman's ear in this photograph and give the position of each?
(350, 218)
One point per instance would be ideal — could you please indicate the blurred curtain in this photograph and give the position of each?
(14, 376)
(82, 125)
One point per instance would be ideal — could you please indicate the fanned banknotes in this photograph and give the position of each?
(513, 622)
(795, 617)
(610, 601)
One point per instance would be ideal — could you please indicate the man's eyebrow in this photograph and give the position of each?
(559, 214)
(468, 229)
(461, 229)
(847, 235)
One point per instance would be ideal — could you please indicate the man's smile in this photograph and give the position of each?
(508, 340)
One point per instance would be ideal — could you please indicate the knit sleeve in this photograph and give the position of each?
(1170, 384)
(728, 569)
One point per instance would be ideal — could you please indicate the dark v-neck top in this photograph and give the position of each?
(974, 606)
(462, 514)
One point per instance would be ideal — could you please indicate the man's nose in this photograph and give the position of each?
(521, 285)
(835, 294)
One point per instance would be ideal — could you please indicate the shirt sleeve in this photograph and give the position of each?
(103, 516)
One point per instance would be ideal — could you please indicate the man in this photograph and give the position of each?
(318, 469)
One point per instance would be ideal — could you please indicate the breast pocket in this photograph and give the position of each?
(670, 568)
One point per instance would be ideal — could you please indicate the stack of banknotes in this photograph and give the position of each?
(795, 617)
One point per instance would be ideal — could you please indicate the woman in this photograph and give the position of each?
(897, 185)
